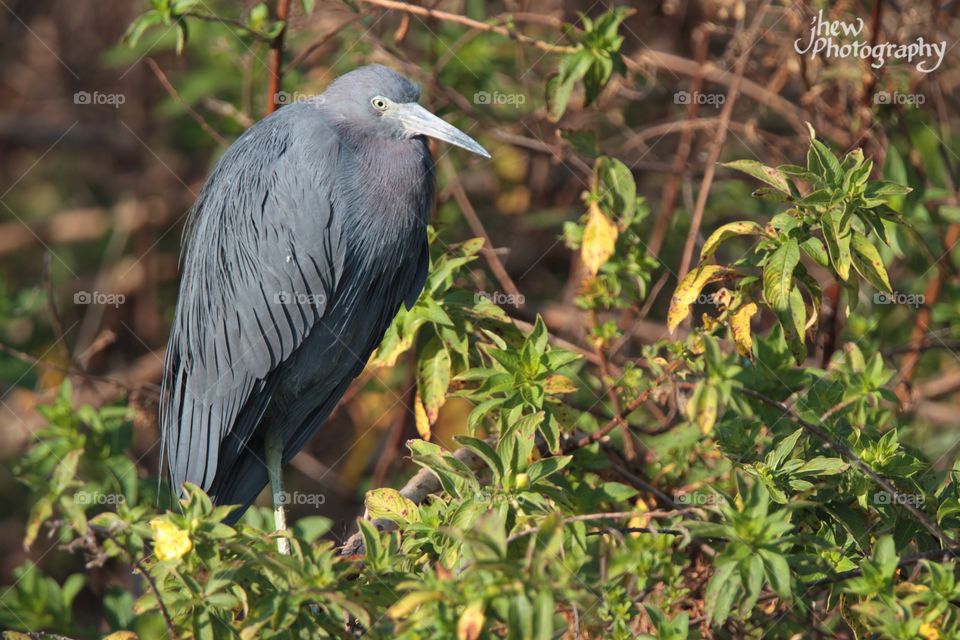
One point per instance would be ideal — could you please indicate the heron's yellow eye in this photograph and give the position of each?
(379, 104)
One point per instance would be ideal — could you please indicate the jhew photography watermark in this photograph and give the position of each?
(885, 497)
(99, 297)
(895, 97)
(301, 299)
(288, 498)
(915, 300)
(710, 99)
(96, 98)
(486, 97)
(98, 498)
(502, 299)
(827, 39)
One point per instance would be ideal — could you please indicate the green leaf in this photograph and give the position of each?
(778, 274)
(433, 377)
(760, 171)
(838, 242)
(866, 259)
(777, 571)
(546, 467)
(794, 320)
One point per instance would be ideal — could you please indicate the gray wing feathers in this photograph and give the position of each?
(249, 295)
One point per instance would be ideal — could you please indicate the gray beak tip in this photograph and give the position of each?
(418, 121)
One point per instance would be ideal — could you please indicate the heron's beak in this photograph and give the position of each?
(419, 122)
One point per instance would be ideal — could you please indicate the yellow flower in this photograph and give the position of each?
(929, 632)
(170, 541)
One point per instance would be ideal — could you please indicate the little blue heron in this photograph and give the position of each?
(306, 238)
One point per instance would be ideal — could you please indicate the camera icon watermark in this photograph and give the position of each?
(300, 299)
(515, 300)
(907, 99)
(97, 98)
(699, 499)
(886, 498)
(99, 297)
(292, 97)
(486, 97)
(288, 498)
(85, 498)
(709, 99)
(915, 300)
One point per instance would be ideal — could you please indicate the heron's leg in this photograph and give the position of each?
(274, 453)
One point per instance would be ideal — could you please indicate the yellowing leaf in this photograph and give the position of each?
(121, 635)
(707, 409)
(408, 603)
(390, 504)
(688, 290)
(771, 176)
(471, 622)
(433, 377)
(170, 542)
(867, 261)
(557, 383)
(599, 240)
(740, 327)
(728, 231)
(420, 417)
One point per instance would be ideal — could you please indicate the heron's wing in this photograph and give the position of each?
(262, 259)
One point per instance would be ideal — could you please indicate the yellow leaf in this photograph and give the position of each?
(408, 603)
(599, 240)
(707, 409)
(392, 505)
(557, 383)
(122, 635)
(170, 541)
(688, 290)
(471, 622)
(929, 632)
(420, 417)
(740, 326)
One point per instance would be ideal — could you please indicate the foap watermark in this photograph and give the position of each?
(699, 499)
(98, 498)
(301, 299)
(291, 97)
(895, 97)
(721, 298)
(710, 99)
(499, 298)
(97, 98)
(915, 300)
(840, 39)
(99, 297)
(289, 498)
(512, 99)
(885, 497)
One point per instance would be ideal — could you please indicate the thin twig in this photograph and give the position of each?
(199, 119)
(275, 81)
(621, 418)
(851, 457)
(473, 24)
(716, 146)
(146, 574)
(476, 226)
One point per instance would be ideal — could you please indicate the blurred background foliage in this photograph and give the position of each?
(606, 125)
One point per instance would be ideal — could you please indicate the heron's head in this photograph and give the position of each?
(377, 101)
